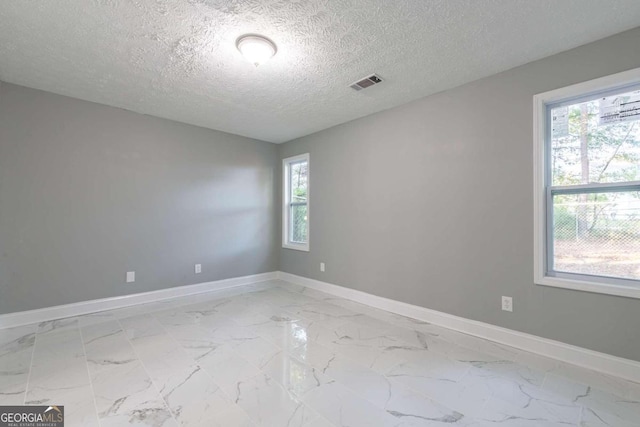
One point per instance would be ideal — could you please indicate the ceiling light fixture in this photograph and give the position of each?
(257, 49)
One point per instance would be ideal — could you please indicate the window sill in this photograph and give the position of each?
(303, 248)
(579, 285)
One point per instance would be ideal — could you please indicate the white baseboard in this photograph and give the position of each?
(601, 362)
(93, 306)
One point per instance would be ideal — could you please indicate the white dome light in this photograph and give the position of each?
(257, 49)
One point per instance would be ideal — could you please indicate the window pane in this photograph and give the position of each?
(597, 234)
(298, 223)
(596, 141)
(298, 178)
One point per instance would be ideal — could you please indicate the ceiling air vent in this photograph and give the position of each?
(366, 82)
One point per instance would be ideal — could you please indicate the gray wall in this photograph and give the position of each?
(88, 192)
(431, 203)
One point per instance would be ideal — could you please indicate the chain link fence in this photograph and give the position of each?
(597, 234)
(299, 223)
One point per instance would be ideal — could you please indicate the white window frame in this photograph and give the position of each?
(611, 286)
(286, 194)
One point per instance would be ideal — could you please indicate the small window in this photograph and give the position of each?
(295, 215)
(587, 191)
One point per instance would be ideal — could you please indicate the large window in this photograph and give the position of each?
(587, 145)
(295, 215)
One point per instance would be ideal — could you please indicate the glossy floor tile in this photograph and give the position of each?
(275, 354)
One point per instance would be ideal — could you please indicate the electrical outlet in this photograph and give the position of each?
(198, 268)
(322, 267)
(131, 276)
(507, 303)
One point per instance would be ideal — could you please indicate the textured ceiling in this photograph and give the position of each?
(177, 58)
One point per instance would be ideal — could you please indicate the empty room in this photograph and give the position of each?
(319, 213)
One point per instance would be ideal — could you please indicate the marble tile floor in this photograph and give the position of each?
(275, 354)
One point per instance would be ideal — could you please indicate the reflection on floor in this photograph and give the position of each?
(274, 354)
